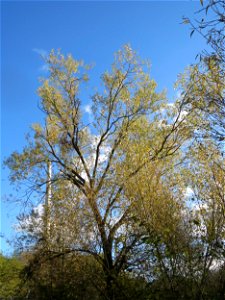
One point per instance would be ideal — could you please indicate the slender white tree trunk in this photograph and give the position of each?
(47, 212)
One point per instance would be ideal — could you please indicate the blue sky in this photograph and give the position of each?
(91, 31)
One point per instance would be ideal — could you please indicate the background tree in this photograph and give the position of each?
(205, 89)
(10, 269)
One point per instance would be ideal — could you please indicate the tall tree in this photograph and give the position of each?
(92, 163)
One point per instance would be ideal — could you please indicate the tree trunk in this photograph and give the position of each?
(110, 291)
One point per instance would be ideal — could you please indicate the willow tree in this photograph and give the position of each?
(93, 163)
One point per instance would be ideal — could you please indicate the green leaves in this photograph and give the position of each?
(10, 281)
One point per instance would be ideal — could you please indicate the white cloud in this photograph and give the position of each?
(181, 117)
(39, 209)
(87, 109)
(188, 192)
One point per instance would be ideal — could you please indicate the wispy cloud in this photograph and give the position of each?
(44, 68)
(40, 52)
(43, 53)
